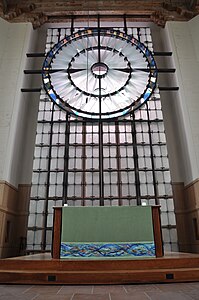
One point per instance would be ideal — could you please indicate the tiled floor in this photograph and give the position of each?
(172, 291)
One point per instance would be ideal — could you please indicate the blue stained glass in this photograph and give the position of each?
(46, 65)
(95, 30)
(48, 86)
(147, 94)
(147, 52)
(152, 85)
(51, 53)
(53, 96)
(152, 63)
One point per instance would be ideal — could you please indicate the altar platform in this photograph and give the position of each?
(42, 269)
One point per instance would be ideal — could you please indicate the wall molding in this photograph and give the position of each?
(4, 182)
(191, 183)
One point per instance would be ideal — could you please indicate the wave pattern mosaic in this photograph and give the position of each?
(109, 250)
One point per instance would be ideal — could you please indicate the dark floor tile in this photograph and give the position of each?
(194, 294)
(140, 288)
(15, 289)
(53, 297)
(195, 285)
(17, 297)
(118, 289)
(173, 291)
(167, 296)
(133, 296)
(176, 287)
(43, 289)
(17, 286)
(15, 293)
(91, 297)
(75, 289)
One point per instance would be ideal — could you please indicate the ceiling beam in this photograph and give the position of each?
(42, 11)
(4, 6)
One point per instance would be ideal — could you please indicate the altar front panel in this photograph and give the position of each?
(104, 232)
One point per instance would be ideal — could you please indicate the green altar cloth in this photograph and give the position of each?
(94, 232)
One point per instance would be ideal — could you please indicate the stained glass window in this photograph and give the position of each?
(83, 162)
(99, 73)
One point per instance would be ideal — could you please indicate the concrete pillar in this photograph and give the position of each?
(18, 115)
(181, 115)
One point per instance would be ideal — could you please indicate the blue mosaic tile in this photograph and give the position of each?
(92, 250)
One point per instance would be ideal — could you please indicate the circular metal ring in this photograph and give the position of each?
(99, 74)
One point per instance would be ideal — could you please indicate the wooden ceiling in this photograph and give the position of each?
(39, 12)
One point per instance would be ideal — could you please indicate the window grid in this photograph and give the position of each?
(67, 166)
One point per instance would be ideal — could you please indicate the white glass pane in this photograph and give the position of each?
(172, 220)
(166, 235)
(114, 177)
(78, 189)
(173, 235)
(59, 191)
(164, 219)
(114, 190)
(163, 204)
(132, 190)
(170, 205)
(39, 220)
(31, 220)
(41, 191)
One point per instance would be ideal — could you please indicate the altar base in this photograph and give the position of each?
(42, 269)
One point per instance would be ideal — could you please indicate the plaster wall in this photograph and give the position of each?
(183, 40)
(181, 110)
(18, 116)
(18, 111)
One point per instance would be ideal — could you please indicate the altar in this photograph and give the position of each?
(103, 245)
(107, 232)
